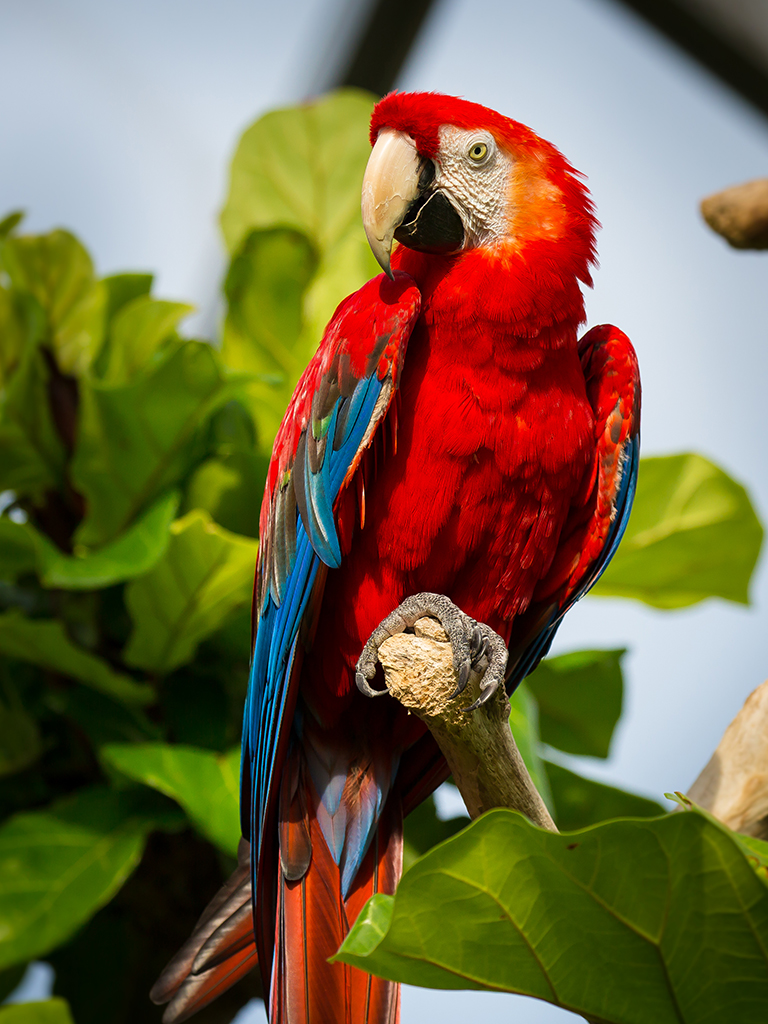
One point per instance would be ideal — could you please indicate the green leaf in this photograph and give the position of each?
(579, 802)
(10, 979)
(23, 549)
(18, 327)
(637, 922)
(303, 168)
(205, 574)
(43, 642)
(693, 534)
(59, 865)
(579, 697)
(206, 785)
(264, 329)
(755, 850)
(131, 554)
(230, 489)
(139, 439)
(58, 272)
(524, 723)
(32, 456)
(136, 334)
(50, 1011)
(102, 719)
(20, 743)
(18, 550)
(9, 223)
(124, 288)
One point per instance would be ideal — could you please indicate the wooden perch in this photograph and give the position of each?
(734, 784)
(478, 745)
(740, 214)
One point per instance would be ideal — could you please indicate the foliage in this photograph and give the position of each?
(132, 463)
(51, 1011)
(669, 908)
(693, 534)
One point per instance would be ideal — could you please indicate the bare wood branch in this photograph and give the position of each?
(733, 785)
(740, 214)
(478, 745)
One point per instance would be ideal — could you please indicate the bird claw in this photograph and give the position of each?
(476, 648)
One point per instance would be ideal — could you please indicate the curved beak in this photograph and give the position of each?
(390, 185)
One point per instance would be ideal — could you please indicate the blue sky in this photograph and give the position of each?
(119, 120)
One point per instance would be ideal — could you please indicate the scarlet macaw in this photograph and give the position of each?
(451, 436)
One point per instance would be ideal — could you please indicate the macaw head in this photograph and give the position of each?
(447, 177)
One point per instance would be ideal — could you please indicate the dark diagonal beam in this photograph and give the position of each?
(384, 44)
(709, 46)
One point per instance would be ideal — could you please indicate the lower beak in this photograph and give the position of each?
(390, 185)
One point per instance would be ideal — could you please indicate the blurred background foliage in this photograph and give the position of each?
(132, 463)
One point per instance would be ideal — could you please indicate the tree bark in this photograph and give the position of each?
(740, 214)
(733, 786)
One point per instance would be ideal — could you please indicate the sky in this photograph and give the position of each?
(119, 120)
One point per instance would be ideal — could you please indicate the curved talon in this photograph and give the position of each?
(365, 688)
(464, 673)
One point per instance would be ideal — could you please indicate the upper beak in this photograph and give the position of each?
(390, 185)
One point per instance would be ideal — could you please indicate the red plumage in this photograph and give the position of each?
(491, 477)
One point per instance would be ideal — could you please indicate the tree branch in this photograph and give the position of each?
(478, 745)
(740, 214)
(733, 785)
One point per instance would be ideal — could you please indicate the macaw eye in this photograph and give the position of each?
(478, 151)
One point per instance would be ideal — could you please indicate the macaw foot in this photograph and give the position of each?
(476, 648)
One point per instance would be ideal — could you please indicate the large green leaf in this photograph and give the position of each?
(131, 554)
(10, 222)
(205, 573)
(20, 741)
(631, 922)
(231, 489)
(50, 1011)
(579, 698)
(693, 534)
(578, 802)
(137, 440)
(302, 168)
(12, 976)
(137, 332)
(59, 865)
(264, 329)
(43, 642)
(14, 332)
(32, 456)
(23, 548)
(18, 550)
(124, 288)
(205, 784)
(58, 272)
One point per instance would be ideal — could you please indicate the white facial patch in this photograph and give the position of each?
(476, 174)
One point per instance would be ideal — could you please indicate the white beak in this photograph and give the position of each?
(390, 185)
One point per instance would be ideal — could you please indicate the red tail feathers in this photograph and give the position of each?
(312, 921)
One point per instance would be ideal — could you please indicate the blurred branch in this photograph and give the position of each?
(688, 26)
(734, 784)
(740, 214)
(478, 746)
(383, 46)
